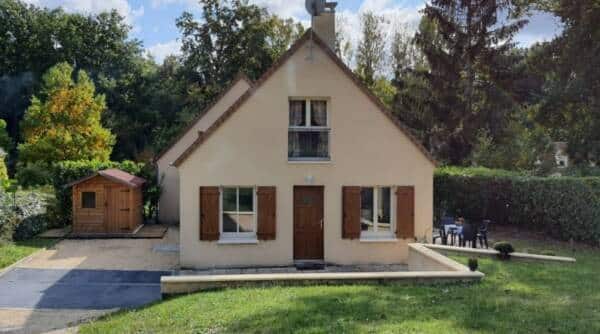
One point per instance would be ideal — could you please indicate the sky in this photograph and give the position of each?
(153, 21)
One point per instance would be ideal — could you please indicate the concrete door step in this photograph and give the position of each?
(309, 264)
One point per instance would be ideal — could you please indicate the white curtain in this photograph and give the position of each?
(318, 110)
(297, 111)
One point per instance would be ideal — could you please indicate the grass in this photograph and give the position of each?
(514, 297)
(13, 252)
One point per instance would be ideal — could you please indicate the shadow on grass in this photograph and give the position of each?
(513, 298)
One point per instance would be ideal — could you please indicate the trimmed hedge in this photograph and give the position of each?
(564, 207)
(68, 171)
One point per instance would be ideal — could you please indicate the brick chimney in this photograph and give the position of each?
(324, 24)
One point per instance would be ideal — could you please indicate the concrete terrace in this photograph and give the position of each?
(424, 266)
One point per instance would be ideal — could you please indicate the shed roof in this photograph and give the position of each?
(116, 175)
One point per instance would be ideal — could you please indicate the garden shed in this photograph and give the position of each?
(107, 202)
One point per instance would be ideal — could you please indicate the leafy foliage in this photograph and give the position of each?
(33, 39)
(467, 46)
(22, 214)
(34, 174)
(570, 67)
(63, 123)
(473, 264)
(505, 248)
(232, 37)
(369, 55)
(564, 207)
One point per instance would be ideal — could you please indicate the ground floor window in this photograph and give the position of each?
(238, 212)
(376, 211)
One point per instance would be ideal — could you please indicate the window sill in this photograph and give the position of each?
(240, 241)
(378, 239)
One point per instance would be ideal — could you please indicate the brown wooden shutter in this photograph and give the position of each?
(266, 219)
(209, 213)
(350, 212)
(405, 212)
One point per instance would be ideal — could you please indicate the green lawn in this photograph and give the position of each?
(13, 252)
(513, 298)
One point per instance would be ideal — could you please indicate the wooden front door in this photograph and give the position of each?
(308, 223)
(117, 209)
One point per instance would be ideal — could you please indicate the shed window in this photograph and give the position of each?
(308, 131)
(88, 200)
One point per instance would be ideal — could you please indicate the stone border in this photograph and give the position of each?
(492, 253)
(425, 267)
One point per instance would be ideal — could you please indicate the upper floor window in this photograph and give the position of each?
(308, 132)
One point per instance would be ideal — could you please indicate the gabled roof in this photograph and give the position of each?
(238, 78)
(282, 60)
(116, 175)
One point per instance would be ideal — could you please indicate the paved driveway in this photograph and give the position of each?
(81, 279)
(81, 289)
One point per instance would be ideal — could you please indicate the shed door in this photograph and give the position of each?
(117, 209)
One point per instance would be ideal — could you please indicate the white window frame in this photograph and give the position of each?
(237, 235)
(375, 234)
(310, 128)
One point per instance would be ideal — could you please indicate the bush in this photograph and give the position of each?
(3, 171)
(33, 175)
(26, 219)
(29, 227)
(505, 249)
(66, 172)
(473, 264)
(564, 207)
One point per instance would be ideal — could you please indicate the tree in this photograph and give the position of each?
(470, 70)
(570, 67)
(370, 53)
(32, 39)
(5, 143)
(412, 101)
(343, 46)
(233, 37)
(63, 120)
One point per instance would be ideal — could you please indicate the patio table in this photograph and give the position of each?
(453, 230)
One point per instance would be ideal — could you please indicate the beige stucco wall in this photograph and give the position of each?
(251, 149)
(169, 200)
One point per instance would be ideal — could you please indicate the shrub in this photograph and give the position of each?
(8, 223)
(28, 227)
(3, 171)
(505, 249)
(33, 175)
(565, 207)
(473, 264)
(22, 216)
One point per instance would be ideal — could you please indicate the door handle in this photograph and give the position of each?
(321, 223)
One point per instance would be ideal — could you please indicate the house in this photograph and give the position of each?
(107, 202)
(561, 155)
(304, 164)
